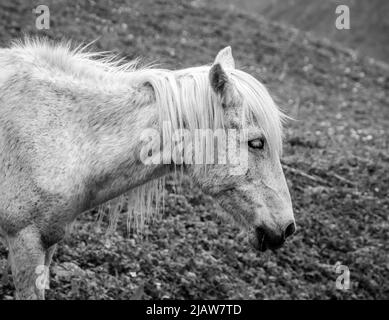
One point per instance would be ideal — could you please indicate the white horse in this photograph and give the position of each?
(78, 129)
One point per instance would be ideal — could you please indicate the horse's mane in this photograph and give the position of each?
(184, 97)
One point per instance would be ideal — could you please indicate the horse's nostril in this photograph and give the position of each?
(290, 229)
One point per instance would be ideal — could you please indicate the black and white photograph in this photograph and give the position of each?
(194, 154)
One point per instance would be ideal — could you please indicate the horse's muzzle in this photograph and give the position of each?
(266, 238)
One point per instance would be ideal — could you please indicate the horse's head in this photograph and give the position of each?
(257, 197)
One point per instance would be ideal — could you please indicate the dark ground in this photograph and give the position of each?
(336, 162)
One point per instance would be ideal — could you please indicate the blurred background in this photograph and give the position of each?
(369, 23)
(334, 83)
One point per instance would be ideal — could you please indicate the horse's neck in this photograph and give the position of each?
(115, 129)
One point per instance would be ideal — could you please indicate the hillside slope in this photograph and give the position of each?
(336, 160)
(369, 25)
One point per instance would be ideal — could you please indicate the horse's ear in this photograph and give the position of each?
(225, 58)
(218, 79)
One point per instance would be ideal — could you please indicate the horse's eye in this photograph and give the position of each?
(258, 143)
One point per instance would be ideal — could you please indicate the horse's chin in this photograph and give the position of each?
(257, 243)
(262, 241)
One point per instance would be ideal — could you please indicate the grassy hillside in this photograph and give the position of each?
(336, 161)
(369, 24)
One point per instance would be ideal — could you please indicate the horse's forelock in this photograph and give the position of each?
(259, 107)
